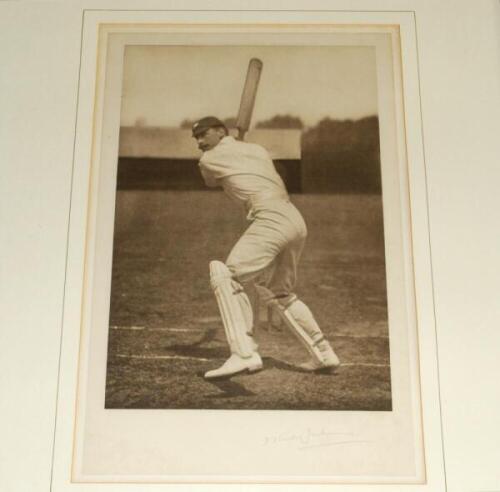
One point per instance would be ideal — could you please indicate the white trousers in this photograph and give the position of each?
(268, 252)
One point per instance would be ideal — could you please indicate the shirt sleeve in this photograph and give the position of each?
(218, 162)
(208, 177)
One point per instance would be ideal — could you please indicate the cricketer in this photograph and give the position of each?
(266, 255)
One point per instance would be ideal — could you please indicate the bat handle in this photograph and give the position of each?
(241, 134)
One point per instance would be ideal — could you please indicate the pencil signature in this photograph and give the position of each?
(313, 439)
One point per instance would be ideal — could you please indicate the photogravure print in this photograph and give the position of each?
(316, 115)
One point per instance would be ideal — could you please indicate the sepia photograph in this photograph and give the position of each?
(248, 253)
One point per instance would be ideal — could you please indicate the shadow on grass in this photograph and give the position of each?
(229, 388)
(286, 366)
(271, 362)
(195, 349)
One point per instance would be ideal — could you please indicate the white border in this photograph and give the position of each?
(81, 175)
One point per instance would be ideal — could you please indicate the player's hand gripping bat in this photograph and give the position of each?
(248, 97)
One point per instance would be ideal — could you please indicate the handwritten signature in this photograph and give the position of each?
(313, 439)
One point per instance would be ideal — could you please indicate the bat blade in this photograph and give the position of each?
(248, 97)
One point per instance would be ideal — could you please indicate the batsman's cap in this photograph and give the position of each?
(205, 123)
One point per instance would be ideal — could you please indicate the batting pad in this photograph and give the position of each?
(235, 309)
(300, 321)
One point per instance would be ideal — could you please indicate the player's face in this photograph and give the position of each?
(209, 138)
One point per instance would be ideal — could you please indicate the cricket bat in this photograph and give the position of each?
(248, 97)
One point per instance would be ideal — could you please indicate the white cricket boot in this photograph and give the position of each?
(235, 365)
(329, 360)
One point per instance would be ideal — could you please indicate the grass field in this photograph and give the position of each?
(165, 330)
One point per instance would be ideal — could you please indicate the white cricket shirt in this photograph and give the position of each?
(244, 170)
